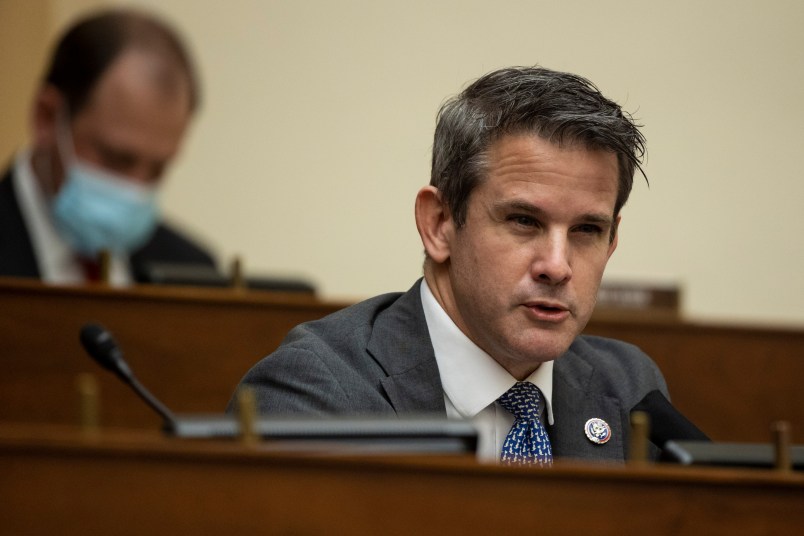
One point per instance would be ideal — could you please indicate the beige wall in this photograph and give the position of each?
(27, 29)
(317, 121)
(24, 29)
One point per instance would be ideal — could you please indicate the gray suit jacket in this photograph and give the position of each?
(376, 357)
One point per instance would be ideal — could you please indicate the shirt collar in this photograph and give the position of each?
(471, 378)
(56, 263)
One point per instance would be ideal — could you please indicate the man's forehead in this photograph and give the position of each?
(139, 74)
(130, 114)
(528, 157)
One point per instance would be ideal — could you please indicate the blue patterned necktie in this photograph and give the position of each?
(527, 442)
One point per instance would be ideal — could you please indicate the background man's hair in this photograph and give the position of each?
(89, 48)
(559, 107)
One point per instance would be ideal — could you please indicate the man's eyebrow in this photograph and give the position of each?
(516, 205)
(535, 210)
(600, 219)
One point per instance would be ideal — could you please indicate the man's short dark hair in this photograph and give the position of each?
(561, 108)
(89, 48)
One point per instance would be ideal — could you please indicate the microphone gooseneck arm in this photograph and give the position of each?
(152, 401)
(101, 346)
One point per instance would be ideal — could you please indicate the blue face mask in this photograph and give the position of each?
(98, 210)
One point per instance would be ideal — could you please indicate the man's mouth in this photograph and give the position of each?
(548, 311)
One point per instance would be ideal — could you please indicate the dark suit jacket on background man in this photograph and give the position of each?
(17, 257)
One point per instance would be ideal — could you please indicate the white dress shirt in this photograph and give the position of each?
(473, 380)
(57, 262)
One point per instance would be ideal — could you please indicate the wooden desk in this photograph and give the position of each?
(190, 347)
(58, 483)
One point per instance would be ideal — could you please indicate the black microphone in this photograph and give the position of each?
(666, 422)
(102, 347)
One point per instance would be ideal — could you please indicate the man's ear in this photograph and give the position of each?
(47, 106)
(435, 224)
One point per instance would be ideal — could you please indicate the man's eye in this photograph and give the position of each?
(117, 160)
(589, 228)
(523, 221)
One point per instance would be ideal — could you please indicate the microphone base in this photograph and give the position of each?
(759, 455)
(352, 434)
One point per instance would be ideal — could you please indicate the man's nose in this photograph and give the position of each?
(552, 262)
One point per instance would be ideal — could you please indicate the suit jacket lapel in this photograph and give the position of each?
(16, 250)
(400, 343)
(574, 403)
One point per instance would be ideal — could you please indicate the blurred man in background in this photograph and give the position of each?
(107, 120)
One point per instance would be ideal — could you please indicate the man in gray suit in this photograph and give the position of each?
(530, 170)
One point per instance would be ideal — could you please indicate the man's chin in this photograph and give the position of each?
(544, 351)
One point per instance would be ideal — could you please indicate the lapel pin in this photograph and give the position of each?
(597, 430)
